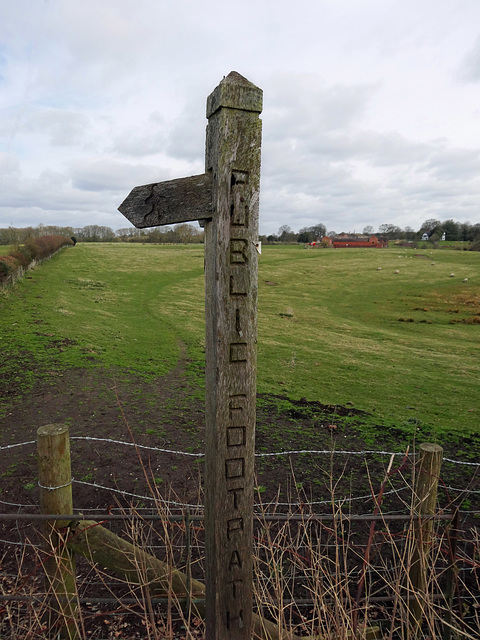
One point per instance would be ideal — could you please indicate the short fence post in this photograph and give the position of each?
(55, 482)
(423, 505)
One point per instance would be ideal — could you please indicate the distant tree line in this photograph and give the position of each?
(434, 229)
(188, 233)
(180, 233)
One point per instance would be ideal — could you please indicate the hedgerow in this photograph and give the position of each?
(35, 249)
(8, 265)
(475, 246)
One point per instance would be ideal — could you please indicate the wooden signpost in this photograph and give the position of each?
(225, 200)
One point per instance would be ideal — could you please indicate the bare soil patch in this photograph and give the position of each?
(105, 405)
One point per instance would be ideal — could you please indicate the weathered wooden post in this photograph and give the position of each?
(226, 198)
(55, 482)
(425, 500)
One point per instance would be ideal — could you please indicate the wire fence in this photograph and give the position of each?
(465, 490)
(328, 452)
(296, 556)
(308, 548)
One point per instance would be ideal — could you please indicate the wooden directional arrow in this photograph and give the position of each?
(181, 200)
(226, 197)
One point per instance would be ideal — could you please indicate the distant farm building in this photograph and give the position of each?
(352, 241)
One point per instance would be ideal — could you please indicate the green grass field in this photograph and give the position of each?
(341, 330)
(332, 326)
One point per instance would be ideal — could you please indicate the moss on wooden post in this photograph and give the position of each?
(425, 500)
(55, 482)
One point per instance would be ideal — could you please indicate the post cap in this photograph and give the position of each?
(54, 429)
(235, 92)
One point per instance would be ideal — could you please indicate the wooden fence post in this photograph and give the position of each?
(424, 503)
(55, 482)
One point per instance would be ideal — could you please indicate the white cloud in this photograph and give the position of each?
(9, 164)
(61, 127)
(470, 65)
(105, 174)
(370, 106)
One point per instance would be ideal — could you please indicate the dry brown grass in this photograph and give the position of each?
(332, 579)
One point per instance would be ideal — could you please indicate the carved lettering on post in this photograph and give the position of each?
(226, 199)
(233, 158)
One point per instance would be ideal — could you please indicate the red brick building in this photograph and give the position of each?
(352, 241)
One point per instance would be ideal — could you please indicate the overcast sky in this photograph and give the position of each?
(371, 107)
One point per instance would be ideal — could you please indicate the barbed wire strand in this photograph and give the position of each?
(18, 444)
(344, 499)
(258, 455)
